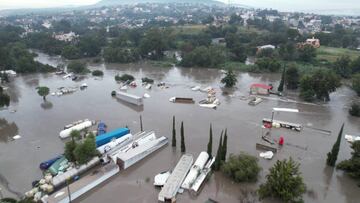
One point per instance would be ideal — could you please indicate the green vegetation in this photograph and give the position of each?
(218, 162)
(80, 151)
(224, 147)
(124, 78)
(292, 77)
(282, 81)
(356, 83)
(97, 73)
(147, 80)
(71, 52)
(4, 98)
(355, 109)
(77, 67)
(241, 168)
(203, 56)
(352, 165)
(333, 154)
(86, 150)
(330, 54)
(12, 200)
(121, 55)
(230, 79)
(284, 181)
(209, 145)
(318, 84)
(173, 141)
(268, 64)
(43, 91)
(183, 148)
(307, 53)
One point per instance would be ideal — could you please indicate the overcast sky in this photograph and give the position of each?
(290, 5)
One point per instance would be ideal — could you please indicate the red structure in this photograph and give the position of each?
(281, 140)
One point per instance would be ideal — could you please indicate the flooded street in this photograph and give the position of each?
(39, 124)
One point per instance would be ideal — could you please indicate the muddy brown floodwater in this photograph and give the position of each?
(39, 125)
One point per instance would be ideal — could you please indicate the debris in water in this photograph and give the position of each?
(16, 137)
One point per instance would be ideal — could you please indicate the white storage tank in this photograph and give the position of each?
(195, 170)
(81, 126)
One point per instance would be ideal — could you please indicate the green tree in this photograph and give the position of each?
(85, 151)
(319, 84)
(230, 79)
(282, 81)
(97, 73)
(4, 98)
(173, 143)
(71, 52)
(356, 83)
(333, 154)
(352, 165)
(217, 163)
(284, 181)
(355, 110)
(268, 64)
(43, 91)
(241, 168)
(292, 77)
(209, 145)
(183, 148)
(307, 53)
(124, 78)
(71, 145)
(153, 44)
(77, 67)
(342, 66)
(224, 147)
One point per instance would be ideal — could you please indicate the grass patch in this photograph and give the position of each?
(331, 53)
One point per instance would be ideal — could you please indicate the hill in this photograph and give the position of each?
(119, 2)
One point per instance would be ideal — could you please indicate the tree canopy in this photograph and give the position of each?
(284, 181)
(230, 79)
(241, 168)
(43, 91)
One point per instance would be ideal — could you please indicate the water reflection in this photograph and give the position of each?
(46, 105)
(131, 106)
(7, 130)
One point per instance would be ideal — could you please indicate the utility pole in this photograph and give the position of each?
(141, 125)
(68, 188)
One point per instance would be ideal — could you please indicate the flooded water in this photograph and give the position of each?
(39, 124)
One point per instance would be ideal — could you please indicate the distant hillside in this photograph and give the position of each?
(118, 2)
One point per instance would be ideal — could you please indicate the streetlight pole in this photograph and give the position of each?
(68, 188)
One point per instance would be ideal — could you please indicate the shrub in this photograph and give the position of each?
(147, 80)
(97, 73)
(241, 168)
(355, 110)
(124, 78)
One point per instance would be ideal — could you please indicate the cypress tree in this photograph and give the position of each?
(332, 155)
(173, 134)
(183, 149)
(209, 146)
(217, 163)
(282, 82)
(224, 147)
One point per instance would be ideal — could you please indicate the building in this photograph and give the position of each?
(313, 42)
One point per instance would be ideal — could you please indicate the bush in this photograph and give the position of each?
(284, 181)
(230, 79)
(241, 168)
(355, 110)
(352, 166)
(77, 67)
(147, 80)
(124, 78)
(97, 73)
(268, 64)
